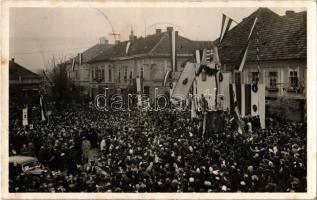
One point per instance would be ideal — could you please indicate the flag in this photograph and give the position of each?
(185, 81)
(209, 55)
(216, 55)
(172, 87)
(242, 98)
(42, 108)
(166, 77)
(254, 103)
(234, 107)
(198, 54)
(173, 37)
(243, 54)
(138, 84)
(204, 124)
(155, 95)
(204, 56)
(247, 101)
(193, 109)
(226, 23)
(139, 91)
(79, 58)
(127, 47)
(25, 116)
(73, 64)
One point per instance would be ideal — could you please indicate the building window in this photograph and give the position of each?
(125, 73)
(141, 72)
(96, 73)
(131, 75)
(88, 74)
(110, 75)
(102, 74)
(237, 78)
(293, 79)
(119, 77)
(272, 79)
(77, 74)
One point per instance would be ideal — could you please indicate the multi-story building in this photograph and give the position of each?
(24, 85)
(146, 57)
(280, 44)
(79, 68)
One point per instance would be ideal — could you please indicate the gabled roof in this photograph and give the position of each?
(16, 71)
(280, 37)
(94, 50)
(151, 45)
(91, 52)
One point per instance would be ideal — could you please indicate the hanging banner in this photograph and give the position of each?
(185, 81)
(25, 116)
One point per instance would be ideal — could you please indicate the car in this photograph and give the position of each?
(24, 165)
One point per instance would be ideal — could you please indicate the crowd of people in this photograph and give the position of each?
(86, 150)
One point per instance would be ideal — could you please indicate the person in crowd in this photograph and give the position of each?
(85, 147)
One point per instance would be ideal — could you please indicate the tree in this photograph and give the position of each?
(60, 87)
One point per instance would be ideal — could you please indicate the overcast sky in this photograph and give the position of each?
(36, 34)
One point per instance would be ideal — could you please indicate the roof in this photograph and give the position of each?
(16, 71)
(280, 37)
(94, 50)
(151, 45)
(91, 52)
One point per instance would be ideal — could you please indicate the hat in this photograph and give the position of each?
(207, 183)
(242, 183)
(174, 182)
(224, 188)
(215, 172)
(211, 169)
(254, 177)
(191, 179)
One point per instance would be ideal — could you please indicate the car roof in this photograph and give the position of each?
(22, 159)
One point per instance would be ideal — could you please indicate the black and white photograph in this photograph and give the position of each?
(173, 99)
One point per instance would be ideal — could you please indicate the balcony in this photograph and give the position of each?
(296, 90)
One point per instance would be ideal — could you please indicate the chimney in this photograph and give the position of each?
(158, 31)
(169, 28)
(103, 40)
(117, 41)
(288, 12)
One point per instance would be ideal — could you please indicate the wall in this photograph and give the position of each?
(282, 69)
